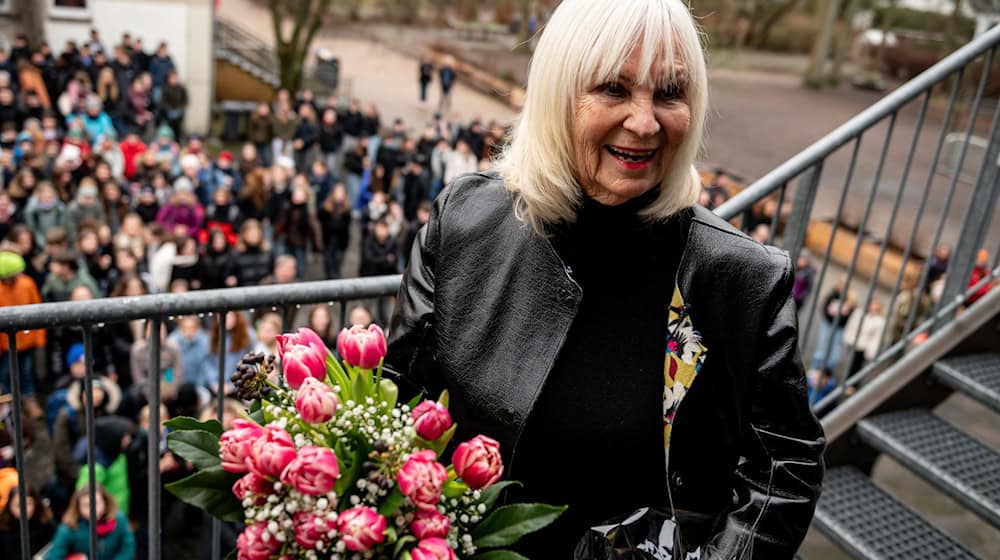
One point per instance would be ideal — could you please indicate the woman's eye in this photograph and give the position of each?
(670, 93)
(613, 89)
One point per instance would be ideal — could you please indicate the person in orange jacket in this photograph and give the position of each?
(17, 288)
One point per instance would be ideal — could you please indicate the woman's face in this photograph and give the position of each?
(135, 288)
(252, 236)
(15, 507)
(85, 506)
(626, 134)
(320, 319)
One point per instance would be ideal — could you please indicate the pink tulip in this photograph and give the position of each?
(477, 462)
(434, 548)
(316, 401)
(431, 419)
(421, 479)
(251, 544)
(305, 337)
(361, 528)
(362, 347)
(234, 445)
(427, 524)
(252, 486)
(310, 529)
(271, 453)
(313, 472)
(301, 362)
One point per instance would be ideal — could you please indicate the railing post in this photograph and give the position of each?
(154, 438)
(22, 483)
(88, 388)
(977, 218)
(802, 203)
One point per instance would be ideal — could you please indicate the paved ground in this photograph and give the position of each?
(759, 118)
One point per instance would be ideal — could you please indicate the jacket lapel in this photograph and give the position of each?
(685, 354)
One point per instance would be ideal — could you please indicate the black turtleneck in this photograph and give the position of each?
(594, 440)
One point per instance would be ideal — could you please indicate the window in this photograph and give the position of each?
(69, 9)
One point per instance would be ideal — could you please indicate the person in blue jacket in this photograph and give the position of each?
(114, 537)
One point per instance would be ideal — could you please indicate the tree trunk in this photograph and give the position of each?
(770, 18)
(816, 73)
(523, 33)
(844, 45)
(952, 29)
(291, 52)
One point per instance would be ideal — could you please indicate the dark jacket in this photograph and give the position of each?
(214, 267)
(483, 291)
(253, 265)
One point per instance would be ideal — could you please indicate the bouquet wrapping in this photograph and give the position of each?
(327, 464)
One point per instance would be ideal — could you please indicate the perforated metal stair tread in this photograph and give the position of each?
(976, 375)
(948, 458)
(872, 525)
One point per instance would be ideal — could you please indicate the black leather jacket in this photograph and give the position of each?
(486, 304)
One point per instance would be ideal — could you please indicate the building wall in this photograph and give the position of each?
(186, 26)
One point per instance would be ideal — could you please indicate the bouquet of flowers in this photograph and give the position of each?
(327, 464)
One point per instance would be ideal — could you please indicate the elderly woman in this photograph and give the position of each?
(574, 299)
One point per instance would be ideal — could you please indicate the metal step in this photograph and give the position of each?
(976, 375)
(870, 524)
(948, 458)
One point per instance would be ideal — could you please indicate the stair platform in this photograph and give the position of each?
(872, 525)
(951, 460)
(976, 375)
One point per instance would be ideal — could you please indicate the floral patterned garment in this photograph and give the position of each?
(684, 356)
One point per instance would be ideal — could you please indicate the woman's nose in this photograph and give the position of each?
(642, 118)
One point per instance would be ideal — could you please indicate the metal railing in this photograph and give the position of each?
(806, 220)
(97, 314)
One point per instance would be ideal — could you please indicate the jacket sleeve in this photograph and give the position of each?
(779, 482)
(126, 541)
(60, 544)
(411, 330)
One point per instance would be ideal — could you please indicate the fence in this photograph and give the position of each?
(98, 314)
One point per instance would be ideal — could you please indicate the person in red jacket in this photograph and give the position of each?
(980, 271)
(132, 147)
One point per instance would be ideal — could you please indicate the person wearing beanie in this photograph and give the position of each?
(17, 288)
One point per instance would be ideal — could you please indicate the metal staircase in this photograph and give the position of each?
(888, 408)
(246, 51)
(869, 522)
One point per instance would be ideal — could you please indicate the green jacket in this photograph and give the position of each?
(118, 545)
(56, 289)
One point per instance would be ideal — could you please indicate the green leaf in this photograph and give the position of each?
(198, 446)
(337, 374)
(258, 416)
(359, 387)
(350, 466)
(391, 503)
(442, 442)
(211, 490)
(233, 554)
(509, 523)
(443, 399)
(405, 540)
(187, 423)
(415, 401)
(454, 488)
(405, 555)
(489, 496)
(388, 393)
(499, 555)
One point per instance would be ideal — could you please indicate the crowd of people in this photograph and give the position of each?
(851, 334)
(102, 194)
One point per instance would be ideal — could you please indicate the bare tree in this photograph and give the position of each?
(763, 16)
(301, 19)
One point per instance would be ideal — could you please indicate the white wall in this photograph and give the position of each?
(186, 26)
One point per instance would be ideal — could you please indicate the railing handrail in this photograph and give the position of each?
(864, 120)
(113, 310)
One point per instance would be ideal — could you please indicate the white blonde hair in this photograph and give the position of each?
(587, 42)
